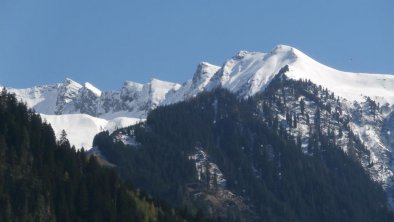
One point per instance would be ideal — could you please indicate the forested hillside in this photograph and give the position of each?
(240, 159)
(42, 179)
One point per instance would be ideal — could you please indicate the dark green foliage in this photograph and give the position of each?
(45, 180)
(260, 160)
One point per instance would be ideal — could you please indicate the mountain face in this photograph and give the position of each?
(84, 108)
(245, 74)
(365, 102)
(42, 179)
(133, 100)
(275, 157)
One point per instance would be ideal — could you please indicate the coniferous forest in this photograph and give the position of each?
(263, 164)
(196, 111)
(42, 179)
(268, 177)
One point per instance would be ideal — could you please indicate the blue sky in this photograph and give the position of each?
(108, 42)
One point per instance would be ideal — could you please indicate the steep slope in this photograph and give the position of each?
(230, 158)
(352, 86)
(248, 73)
(84, 110)
(41, 98)
(365, 101)
(245, 74)
(191, 88)
(42, 179)
(133, 100)
(66, 93)
(81, 128)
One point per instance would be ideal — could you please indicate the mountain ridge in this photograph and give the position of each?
(367, 101)
(245, 74)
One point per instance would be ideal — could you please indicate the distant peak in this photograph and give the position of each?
(206, 64)
(92, 88)
(285, 52)
(204, 72)
(289, 50)
(160, 84)
(154, 80)
(241, 54)
(283, 47)
(68, 82)
(206, 67)
(132, 85)
(158, 81)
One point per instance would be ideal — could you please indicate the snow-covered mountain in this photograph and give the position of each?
(81, 128)
(245, 74)
(366, 101)
(84, 110)
(248, 73)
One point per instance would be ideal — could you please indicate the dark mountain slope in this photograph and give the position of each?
(217, 146)
(45, 180)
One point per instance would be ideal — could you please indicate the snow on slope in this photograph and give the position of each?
(158, 90)
(81, 128)
(248, 73)
(42, 98)
(191, 88)
(352, 86)
(93, 89)
(245, 74)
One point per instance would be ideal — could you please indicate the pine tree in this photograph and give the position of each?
(63, 138)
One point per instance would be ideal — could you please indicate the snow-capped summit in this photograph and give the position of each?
(245, 74)
(130, 90)
(202, 76)
(132, 86)
(248, 73)
(204, 73)
(158, 90)
(71, 83)
(84, 110)
(93, 89)
(240, 55)
(352, 86)
(150, 96)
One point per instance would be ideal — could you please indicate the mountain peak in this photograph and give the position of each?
(203, 65)
(286, 52)
(154, 81)
(92, 89)
(204, 73)
(69, 82)
(282, 47)
(244, 74)
(160, 84)
(240, 55)
(130, 85)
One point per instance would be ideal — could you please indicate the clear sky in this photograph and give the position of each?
(108, 42)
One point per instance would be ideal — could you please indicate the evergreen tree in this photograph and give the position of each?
(41, 180)
(261, 161)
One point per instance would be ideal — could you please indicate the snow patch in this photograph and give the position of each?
(93, 89)
(81, 128)
(206, 168)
